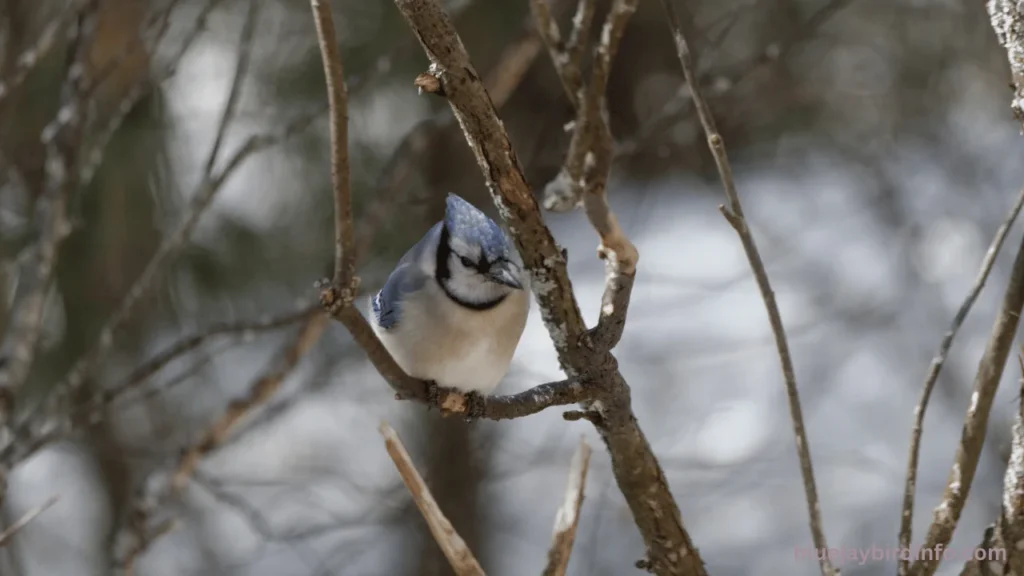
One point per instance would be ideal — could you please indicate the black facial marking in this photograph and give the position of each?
(443, 273)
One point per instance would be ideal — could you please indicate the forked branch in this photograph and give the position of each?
(338, 296)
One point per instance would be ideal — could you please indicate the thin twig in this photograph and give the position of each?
(972, 438)
(568, 517)
(25, 519)
(62, 139)
(910, 487)
(337, 98)
(27, 61)
(144, 87)
(733, 212)
(637, 471)
(144, 540)
(209, 186)
(189, 343)
(455, 550)
(260, 392)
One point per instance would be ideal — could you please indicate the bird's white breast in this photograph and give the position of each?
(437, 339)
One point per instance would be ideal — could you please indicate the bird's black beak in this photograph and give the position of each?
(504, 273)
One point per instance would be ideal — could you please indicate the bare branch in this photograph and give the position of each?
(733, 212)
(588, 163)
(455, 550)
(101, 138)
(208, 188)
(986, 382)
(907, 518)
(62, 139)
(1003, 542)
(450, 401)
(27, 60)
(189, 343)
(636, 469)
(567, 58)
(569, 514)
(337, 97)
(143, 539)
(25, 519)
(260, 392)
(591, 144)
(1008, 23)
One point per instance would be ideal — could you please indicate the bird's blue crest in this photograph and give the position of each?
(468, 223)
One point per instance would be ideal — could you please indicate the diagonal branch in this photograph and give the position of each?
(567, 58)
(588, 163)
(185, 345)
(337, 297)
(455, 550)
(27, 61)
(1003, 555)
(733, 212)
(910, 487)
(568, 517)
(986, 382)
(62, 138)
(169, 248)
(260, 392)
(636, 469)
(25, 520)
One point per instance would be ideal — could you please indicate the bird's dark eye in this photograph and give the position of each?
(467, 262)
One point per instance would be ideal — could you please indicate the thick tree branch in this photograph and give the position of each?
(337, 297)
(455, 550)
(636, 469)
(733, 212)
(986, 382)
(1007, 18)
(568, 516)
(910, 487)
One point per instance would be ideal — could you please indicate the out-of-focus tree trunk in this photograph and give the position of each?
(103, 257)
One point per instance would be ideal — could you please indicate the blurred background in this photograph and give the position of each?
(875, 153)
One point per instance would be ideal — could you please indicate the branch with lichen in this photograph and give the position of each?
(584, 177)
(1002, 540)
(590, 369)
(910, 485)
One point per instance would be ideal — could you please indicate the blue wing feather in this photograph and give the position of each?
(406, 278)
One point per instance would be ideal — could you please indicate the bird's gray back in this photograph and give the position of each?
(409, 276)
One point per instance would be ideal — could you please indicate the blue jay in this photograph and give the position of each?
(453, 310)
